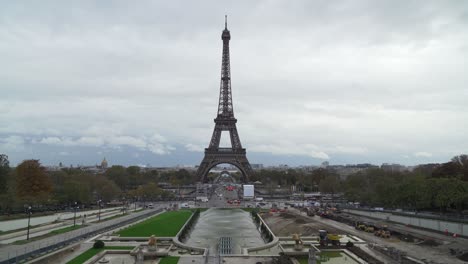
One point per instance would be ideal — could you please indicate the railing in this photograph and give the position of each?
(225, 150)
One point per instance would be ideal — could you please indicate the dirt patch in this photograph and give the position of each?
(430, 242)
(363, 255)
(463, 257)
(300, 221)
(405, 237)
(286, 224)
(287, 215)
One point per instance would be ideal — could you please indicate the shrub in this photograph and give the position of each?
(98, 244)
(349, 244)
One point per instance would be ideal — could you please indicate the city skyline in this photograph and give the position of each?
(312, 82)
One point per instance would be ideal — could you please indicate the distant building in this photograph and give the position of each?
(257, 166)
(393, 167)
(104, 164)
(345, 170)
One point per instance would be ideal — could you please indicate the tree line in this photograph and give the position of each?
(442, 187)
(30, 184)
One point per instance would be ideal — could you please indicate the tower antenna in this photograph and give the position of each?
(225, 21)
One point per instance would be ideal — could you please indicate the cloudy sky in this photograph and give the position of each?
(137, 82)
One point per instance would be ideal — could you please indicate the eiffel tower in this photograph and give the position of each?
(225, 121)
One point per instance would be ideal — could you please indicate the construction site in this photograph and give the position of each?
(385, 241)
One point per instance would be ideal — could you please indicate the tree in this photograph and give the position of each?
(4, 172)
(105, 189)
(77, 190)
(133, 170)
(149, 191)
(33, 184)
(330, 184)
(7, 185)
(457, 167)
(119, 175)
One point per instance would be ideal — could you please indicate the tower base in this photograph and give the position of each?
(235, 157)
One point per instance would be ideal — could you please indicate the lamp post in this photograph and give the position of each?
(29, 221)
(99, 213)
(74, 216)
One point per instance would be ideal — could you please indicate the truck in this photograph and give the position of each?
(310, 211)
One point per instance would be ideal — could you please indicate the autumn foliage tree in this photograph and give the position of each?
(33, 183)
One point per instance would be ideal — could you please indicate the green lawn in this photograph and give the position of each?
(167, 224)
(169, 260)
(92, 252)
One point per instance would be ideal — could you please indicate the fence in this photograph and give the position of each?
(41, 248)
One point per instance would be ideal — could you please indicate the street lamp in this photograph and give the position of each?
(29, 221)
(99, 213)
(74, 216)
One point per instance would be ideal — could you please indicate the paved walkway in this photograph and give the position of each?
(47, 228)
(10, 251)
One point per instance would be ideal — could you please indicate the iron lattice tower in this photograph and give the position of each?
(225, 121)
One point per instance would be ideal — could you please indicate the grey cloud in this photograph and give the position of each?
(332, 79)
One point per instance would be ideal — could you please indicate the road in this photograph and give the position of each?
(221, 196)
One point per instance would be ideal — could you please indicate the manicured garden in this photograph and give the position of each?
(167, 224)
(92, 252)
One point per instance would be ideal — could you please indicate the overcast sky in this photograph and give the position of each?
(137, 82)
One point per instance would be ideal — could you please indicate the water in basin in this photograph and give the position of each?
(216, 223)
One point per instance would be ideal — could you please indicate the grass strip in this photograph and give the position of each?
(167, 224)
(52, 233)
(169, 260)
(65, 229)
(83, 257)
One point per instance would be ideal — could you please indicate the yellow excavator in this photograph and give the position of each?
(383, 232)
(325, 238)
